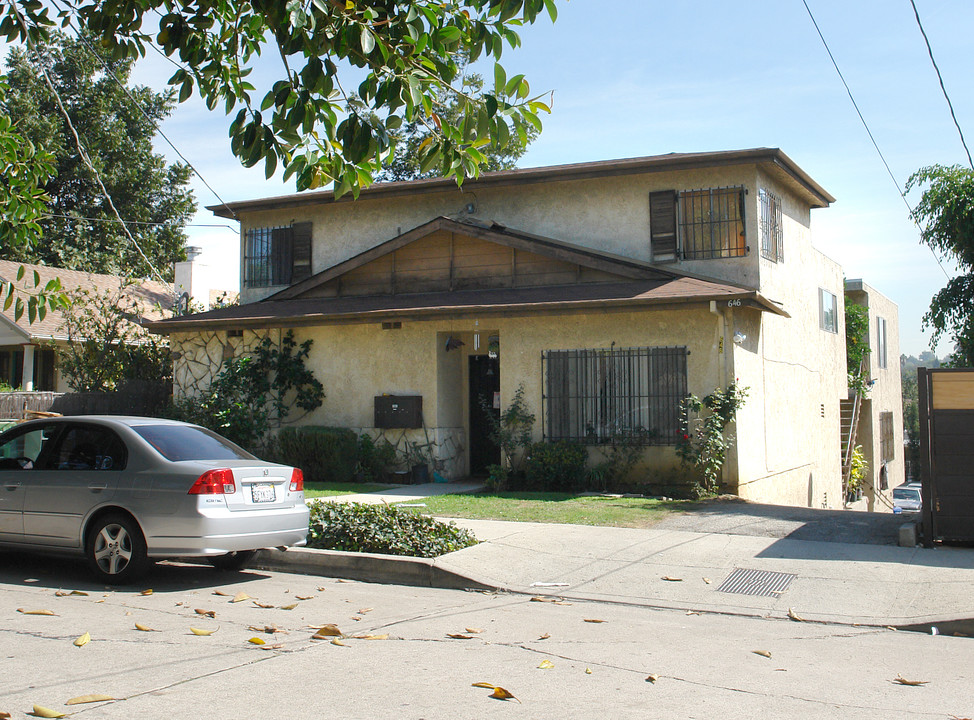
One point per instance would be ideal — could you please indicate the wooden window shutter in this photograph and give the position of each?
(281, 256)
(301, 251)
(662, 225)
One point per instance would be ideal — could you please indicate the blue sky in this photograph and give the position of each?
(635, 77)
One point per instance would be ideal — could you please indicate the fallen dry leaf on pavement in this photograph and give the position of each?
(257, 641)
(546, 665)
(36, 612)
(41, 711)
(82, 699)
(588, 671)
(502, 694)
(762, 653)
(795, 616)
(265, 606)
(289, 607)
(672, 579)
(592, 620)
(83, 640)
(707, 580)
(370, 637)
(900, 680)
(275, 646)
(305, 597)
(474, 630)
(692, 612)
(146, 592)
(362, 611)
(199, 631)
(4, 715)
(240, 597)
(64, 593)
(220, 592)
(206, 613)
(459, 636)
(320, 589)
(652, 678)
(336, 641)
(144, 628)
(545, 636)
(265, 628)
(325, 631)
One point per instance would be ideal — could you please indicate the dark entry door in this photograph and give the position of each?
(485, 381)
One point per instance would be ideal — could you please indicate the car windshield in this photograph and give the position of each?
(905, 494)
(185, 442)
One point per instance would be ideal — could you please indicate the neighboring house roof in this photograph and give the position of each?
(773, 160)
(150, 295)
(636, 285)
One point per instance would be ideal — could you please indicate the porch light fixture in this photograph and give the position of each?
(739, 338)
(493, 347)
(476, 341)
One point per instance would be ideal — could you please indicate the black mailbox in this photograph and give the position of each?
(399, 411)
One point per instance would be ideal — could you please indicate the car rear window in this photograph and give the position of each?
(906, 494)
(185, 442)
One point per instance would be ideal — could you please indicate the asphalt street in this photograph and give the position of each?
(560, 659)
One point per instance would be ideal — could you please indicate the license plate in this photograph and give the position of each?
(262, 493)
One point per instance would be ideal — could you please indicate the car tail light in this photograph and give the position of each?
(297, 480)
(214, 482)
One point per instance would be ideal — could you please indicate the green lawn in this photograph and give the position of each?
(327, 489)
(562, 508)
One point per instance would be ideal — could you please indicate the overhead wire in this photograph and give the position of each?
(137, 222)
(868, 131)
(943, 88)
(138, 106)
(84, 154)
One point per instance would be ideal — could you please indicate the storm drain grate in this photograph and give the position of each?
(756, 582)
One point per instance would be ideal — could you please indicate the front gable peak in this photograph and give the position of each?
(450, 255)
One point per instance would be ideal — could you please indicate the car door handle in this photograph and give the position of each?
(11, 485)
(97, 488)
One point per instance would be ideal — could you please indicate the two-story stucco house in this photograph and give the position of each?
(608, 290)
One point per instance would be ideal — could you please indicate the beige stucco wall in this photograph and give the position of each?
(610, 214)
(796, 375)
(885, 395)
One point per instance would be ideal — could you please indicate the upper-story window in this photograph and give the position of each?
(772, 236)
(697, 224)
(881, 341)
(828, 315)
(277, 255)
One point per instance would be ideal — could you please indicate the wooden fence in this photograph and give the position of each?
(136, 398)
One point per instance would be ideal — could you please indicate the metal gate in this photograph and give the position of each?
(946, 400)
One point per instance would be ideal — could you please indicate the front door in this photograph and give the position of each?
(485, 385)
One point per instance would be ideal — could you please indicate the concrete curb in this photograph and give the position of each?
(368, 567)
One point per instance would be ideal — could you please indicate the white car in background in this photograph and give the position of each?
(125, 490)
(907, 497)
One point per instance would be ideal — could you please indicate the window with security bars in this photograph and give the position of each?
(277, 255)
(772, 235)
(712, 223)
(886, 445)
(631, 395)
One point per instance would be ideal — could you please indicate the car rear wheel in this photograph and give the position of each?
(232, 561)
(116, 549)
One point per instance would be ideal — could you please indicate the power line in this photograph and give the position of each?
(139, 107)
(868, 131)
(950, 105)
(83, 153)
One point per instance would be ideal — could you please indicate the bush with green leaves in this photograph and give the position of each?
(702, 444)
(512, 430)
(324, 454)
(374, 458)
(384, 529)
(556, 466)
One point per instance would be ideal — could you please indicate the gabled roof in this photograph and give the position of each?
(150, 295)
(492, 232)
(773, 160)
(639, 285)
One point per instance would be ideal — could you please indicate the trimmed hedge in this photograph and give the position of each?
(324, 454)
(385, 529)
(556, 466)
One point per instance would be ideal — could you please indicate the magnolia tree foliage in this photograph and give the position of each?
(945, 214)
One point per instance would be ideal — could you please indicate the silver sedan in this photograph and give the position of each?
(124, 490)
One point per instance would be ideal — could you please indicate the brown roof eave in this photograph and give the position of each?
(528, 176)
(751, 300)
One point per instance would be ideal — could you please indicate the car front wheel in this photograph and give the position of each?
(116, 549)
(233, 560)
